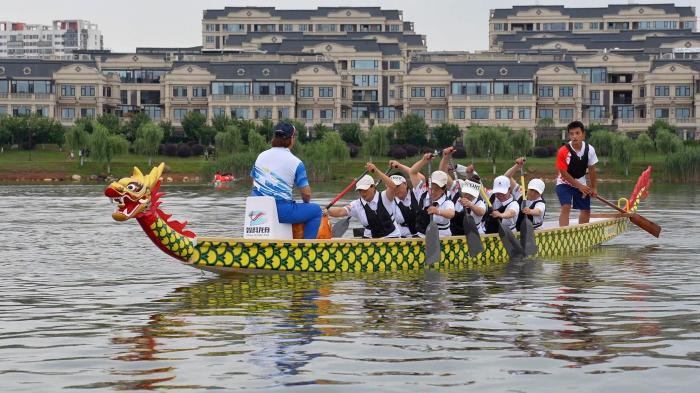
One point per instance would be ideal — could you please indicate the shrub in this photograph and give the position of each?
(541, 152)
(411, 150)
(552, 150)
(184, 150)
(459, 152)
(170, 149)
(351, 133)
(397, 152)
(197, 150)
(354, 150)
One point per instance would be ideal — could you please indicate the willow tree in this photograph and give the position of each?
(78, 139)
(494, 143)
(148, 137)
(105, 146)
(623, 150)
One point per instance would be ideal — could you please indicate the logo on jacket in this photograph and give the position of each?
(257, 218)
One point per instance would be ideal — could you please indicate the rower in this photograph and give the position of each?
(442, 209)
(573, 161)
(535, 204)
(505, 208)
(276, 172)
(407, 208)
(374, 210)
(467, 201)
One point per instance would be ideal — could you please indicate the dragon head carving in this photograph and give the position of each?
(134, 194)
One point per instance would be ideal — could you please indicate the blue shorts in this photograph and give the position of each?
(567, 193)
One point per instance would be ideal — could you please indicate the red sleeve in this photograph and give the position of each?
(561, 158)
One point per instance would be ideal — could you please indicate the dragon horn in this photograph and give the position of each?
(155, 174)
(137, 174)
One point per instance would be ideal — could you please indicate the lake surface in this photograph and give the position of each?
(88, 304)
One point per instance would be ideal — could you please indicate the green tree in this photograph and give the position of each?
(168, 131)
(129, 128)
(602, 140)
(257, 143)
(17, 127)
(411, 129)
(644, 144)
(104, 146)
(229, 140)
(45, 130)
(221, 122)
(623, 150)
(522, 142)
(319, 130)
(667, 142)
(445, 135)
(246, 127)
(148, 137)
(493, 143)
(108, 120)
(471, 141)
(659, 125)
(377, 142)
(266, 129)
(351, 133)
(78, 139)
(303, 134)
(336, 148)
(195, 126)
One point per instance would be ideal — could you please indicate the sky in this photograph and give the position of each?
(454, 25)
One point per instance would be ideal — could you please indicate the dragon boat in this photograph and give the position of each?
(138, 197)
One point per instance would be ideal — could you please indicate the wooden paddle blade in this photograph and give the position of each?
(651, 227)
(432, 244)
(475, 247)
(527, 237)
(510, 243)
(340, 227)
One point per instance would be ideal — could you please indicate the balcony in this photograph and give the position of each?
(683, 120)
(200, 99)
(66, 99)
(87, 99)
(273, 98)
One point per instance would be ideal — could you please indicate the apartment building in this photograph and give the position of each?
(611, 19)
(59, 40)
(625, 79)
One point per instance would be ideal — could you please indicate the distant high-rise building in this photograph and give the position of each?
(22, 41)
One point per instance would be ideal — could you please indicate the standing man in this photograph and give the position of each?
(277, 172)
(573, 161)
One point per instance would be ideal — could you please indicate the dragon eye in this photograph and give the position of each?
(133, 187)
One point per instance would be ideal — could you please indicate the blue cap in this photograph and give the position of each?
(285, 130)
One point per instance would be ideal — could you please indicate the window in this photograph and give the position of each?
(234, 28)
(689, 25)
(459, 113)
(307, 114)
(524, 112)
(596, 25)
(287, 27)
(211, 27)
(67, 113)
(218, 111)
(326, 114)
(683, 91)
(267, 28)
(365, 80)
(544, 113)
(625, 112)
(665, 24)
(596, 112)
(230, 88)
(546, 91)
(239, 113)
(418, 112)
(210, 39)
(199, 91)
(21, 111)
(498, 26)
(642, 91)
(418, 92)
(270, 88)
(283, 113)
(325, 27)
(395, 28)
(479, 113)
(618, 25)
(365, 64)
(504, 113)
(661, 90)
(566, 91)
(42, 87)
(559, 26)
(578, 26)
(179, 114)
(360, 112)
(263, 113)
(68, 90)
(514, 88)
(471, 88)
(437, 91)
(325, 92)
(87, 113)
(106, 91)
(566, 114)
(3, 87)
(179, 91)
(41, 111)
(661, 113)
(304, 27)
(306, 92)
(682, 113)
(594, 75)
(3, 110)
(437, 114)
(394, 64)
(153, 111)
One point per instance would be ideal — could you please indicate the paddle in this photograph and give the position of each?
(510, 243)
(341, 226)
(527, 230)
(432, 233)
(637, 219)
(471, 232)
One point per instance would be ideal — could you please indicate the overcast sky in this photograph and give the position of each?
(126, 24)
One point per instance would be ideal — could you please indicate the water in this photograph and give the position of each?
(87, 304)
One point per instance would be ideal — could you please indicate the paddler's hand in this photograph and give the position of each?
(394, 164)
(520, 161)
(433, 210)
(585, 190)
(527, 211)
(496, 214)
(370, 167)
(427, 156)
(448, 151)
(324, 211)
(466, 202)
(594, 191)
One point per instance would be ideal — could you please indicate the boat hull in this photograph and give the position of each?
(227, 255)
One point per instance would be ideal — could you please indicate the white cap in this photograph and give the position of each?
(397, 179)
(462, 170)
(439, 178)
(537, 185)
(469, 187)
(501, 185)
(364, 183)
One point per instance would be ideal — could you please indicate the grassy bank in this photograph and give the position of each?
(17, 166)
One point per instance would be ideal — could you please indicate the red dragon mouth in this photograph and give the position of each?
(126, 206)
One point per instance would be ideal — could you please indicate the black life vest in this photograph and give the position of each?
(379, 222)
(578, 165)
(409, 213)
(457, 222)
(491, 224)
(521, 215)
(423, 218)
